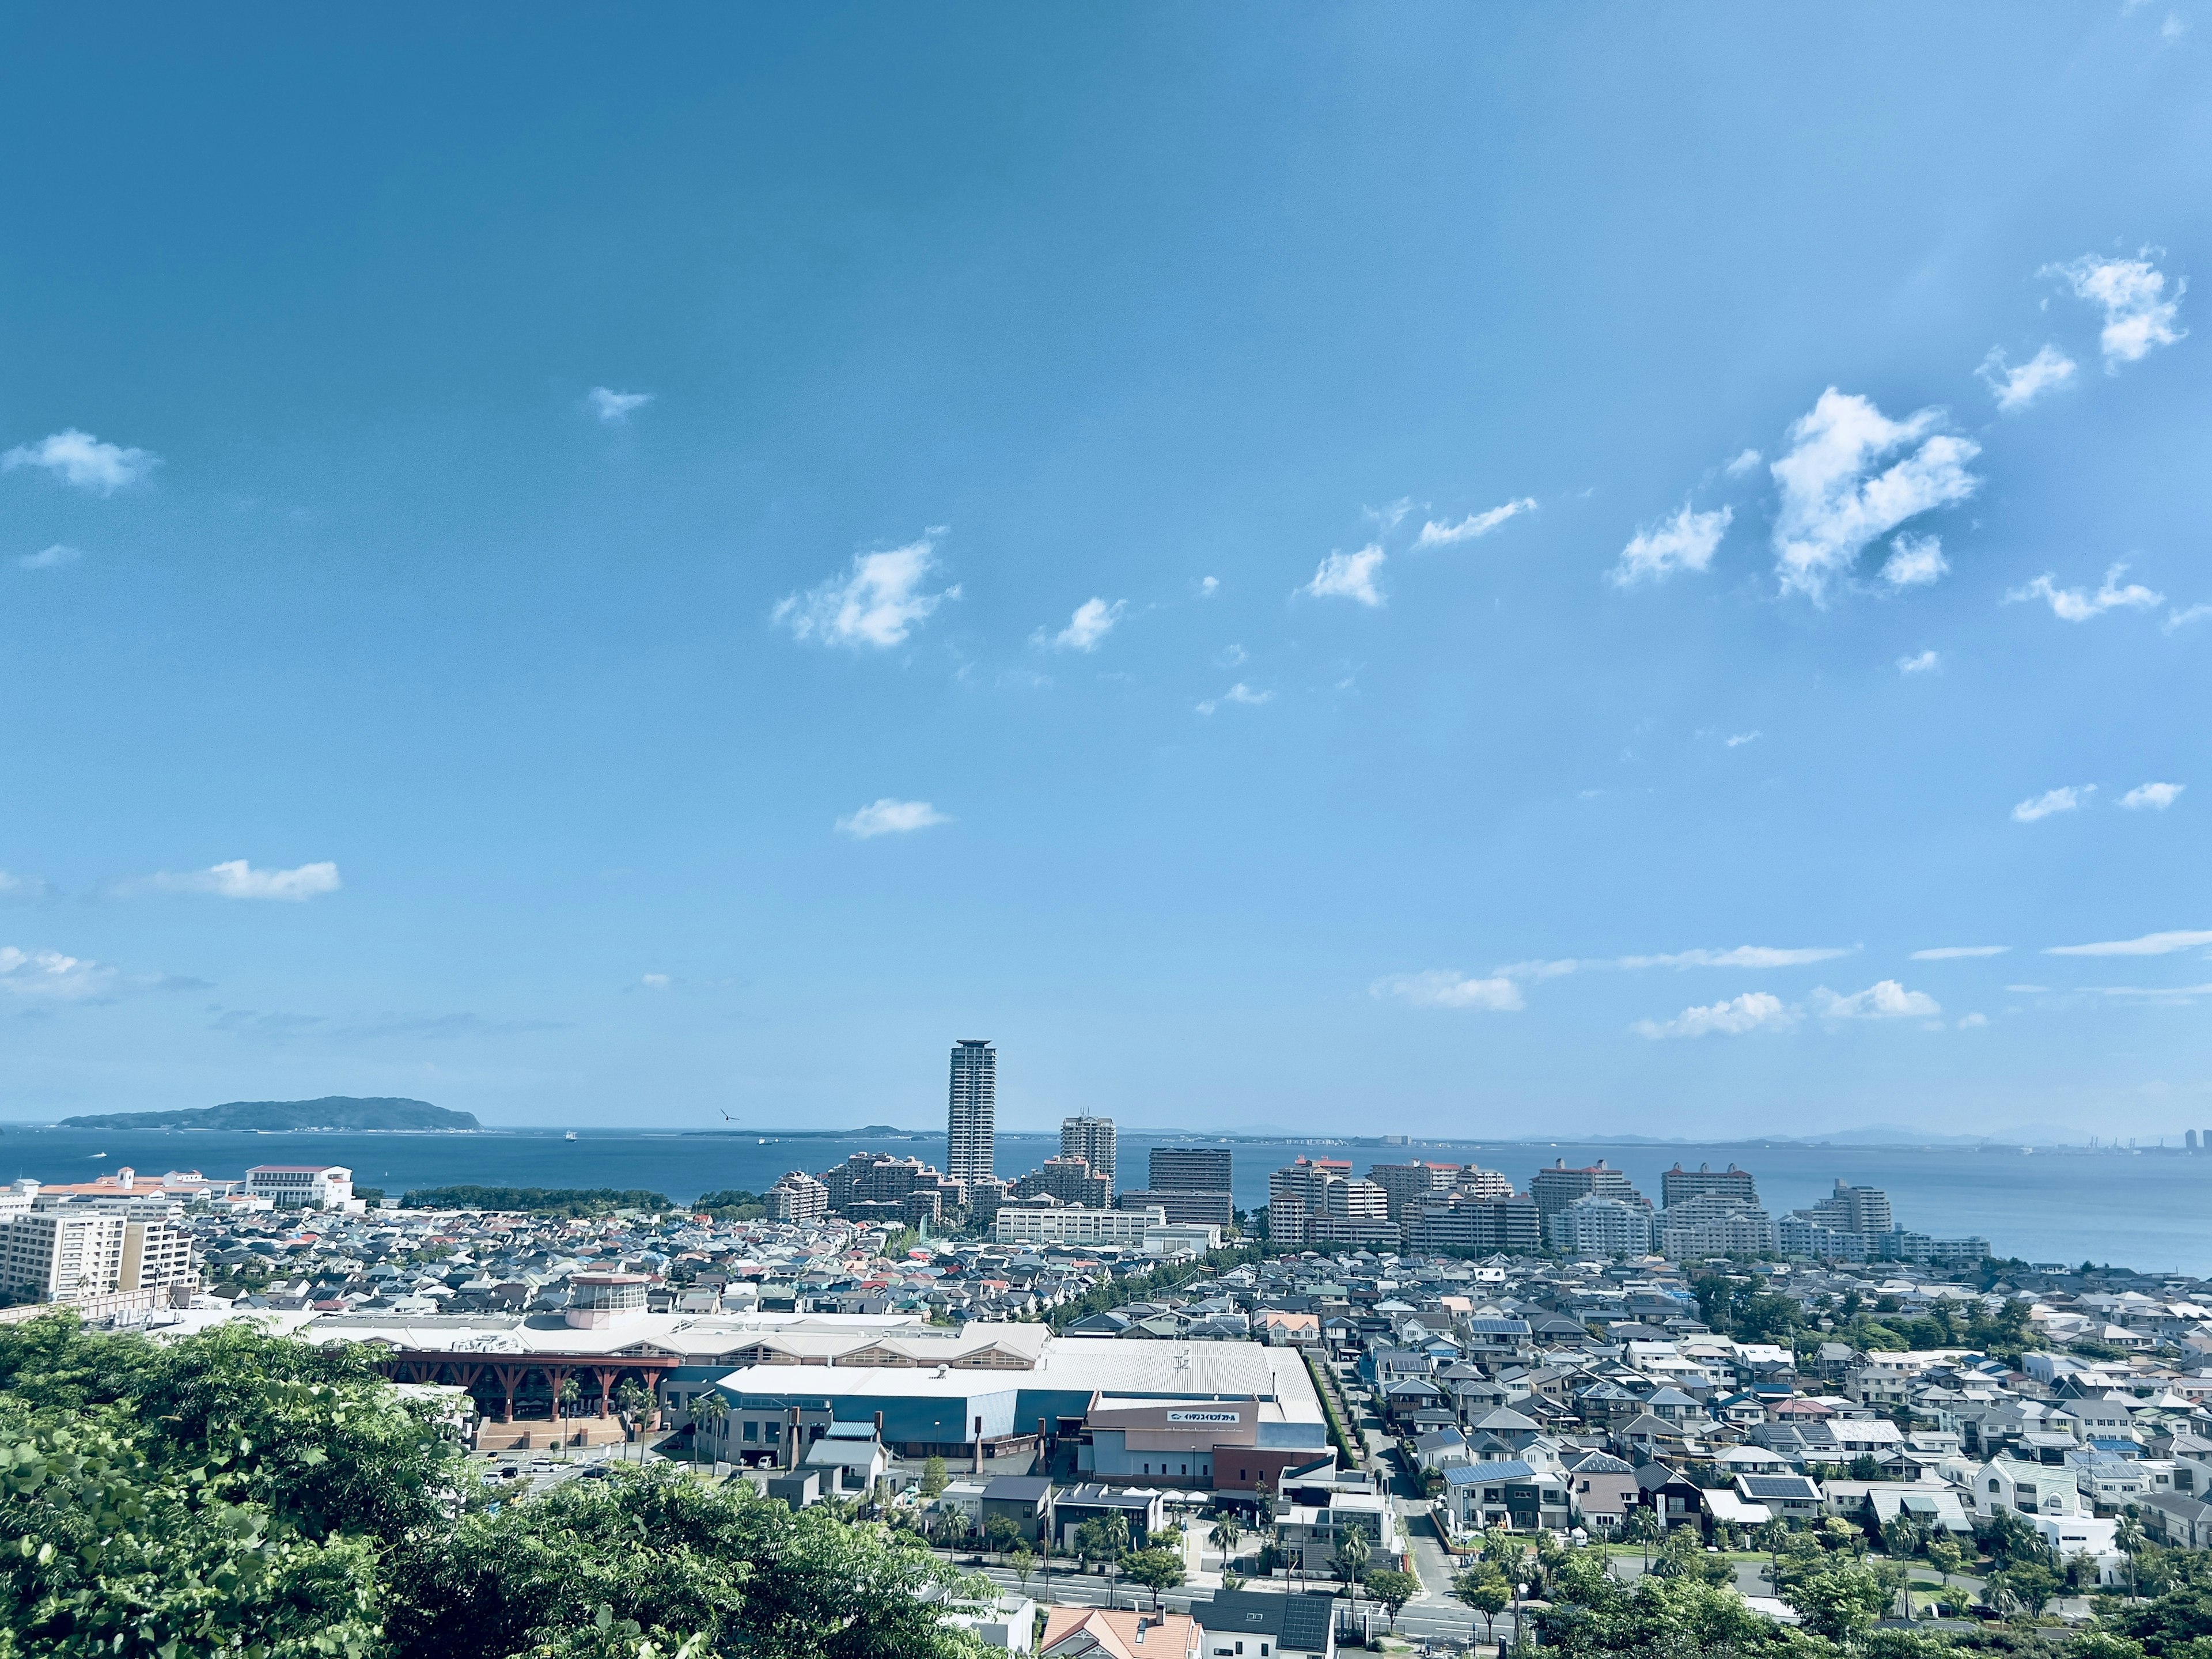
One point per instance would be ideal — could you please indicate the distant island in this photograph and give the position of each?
(878, 1131)
(331, 1112)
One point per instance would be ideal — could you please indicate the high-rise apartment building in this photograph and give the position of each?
(1679, 1183)
(1066, 1180)
(971, 1116)
(1853, 1210)
(54, 1255)
(1190, 1170)
(1556, 1187)
(1091, 1139)
(1408, 1185)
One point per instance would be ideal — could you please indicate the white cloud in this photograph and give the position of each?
(1439, 988)
(888, 816)
(1914, 562)
(1746, 462)
(1926, 663)
(1239, 692)
(79, 458)
(2077, 604)
(1953, 952)
(2067, 799)
(1093, 620)
(22, 889)
(2152, 993)
(1833, 501)
(1741, 956)
(878, 604)
(2138, 315)
(1884, 999)
(615, 408)
(1969, 1022)
(2179, 619)
(2150, 945)
(1348, 576)
(2172, 28)
(655, 981)
(237, 879)
(2015, 385)
(49, 558)
(2154, 797)
(1208, 587)
(50, 976)
(1390, 514)
(1754, 1011)
(1743, 738)
(1474, 524)
(1685, 542)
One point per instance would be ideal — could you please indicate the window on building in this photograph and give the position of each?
(752, 1430)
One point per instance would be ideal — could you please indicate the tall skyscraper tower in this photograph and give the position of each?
(971, 1117)
(1091, 1139)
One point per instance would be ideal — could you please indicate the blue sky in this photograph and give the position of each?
(1465, 569)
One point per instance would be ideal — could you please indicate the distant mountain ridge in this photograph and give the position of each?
(331, 1112)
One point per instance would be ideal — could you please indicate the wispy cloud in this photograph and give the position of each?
(2180, 619)
(2016, 385)
(1754, 1011)
(878, 603)
(1239, 692)
(237, 879)
(615, 408)
(1474, 524)
(2152, 797)
(23, 890)
(1741, 956)
(1093, 620)
(2168, 994)
(1926, 662)
(1884, 999)
(1743, 738)
(2149, 945)
(1685, 542)
(1955, 952)
(80, 459)
(1208, 587)
(1914, 562)
(2067, 799)
(1389, 515)
(1746, 462)
(1442, 988)
(1835, 503)
(2077, 605)
(888, 816)
(1348, 576)
(49, 558)
(51, 977)
(2139, 316)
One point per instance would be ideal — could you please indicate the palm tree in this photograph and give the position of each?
(2129, 1535)
(631, 1402)
(709, 1411)
(1351, 1557)
(1225, 1536)
(566, 1394)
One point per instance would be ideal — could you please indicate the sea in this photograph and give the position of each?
(2147, 1208)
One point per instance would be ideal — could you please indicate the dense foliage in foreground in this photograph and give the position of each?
(238, 1494)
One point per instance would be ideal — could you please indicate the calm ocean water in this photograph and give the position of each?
(2149, 1210)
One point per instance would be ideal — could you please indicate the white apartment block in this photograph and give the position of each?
(1602, 1227)
(157, 1255)
(798, 1196)
(1075, 1223)
(315, 1185)
(50, 1256)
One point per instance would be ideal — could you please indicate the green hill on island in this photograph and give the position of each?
(331, 1112)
